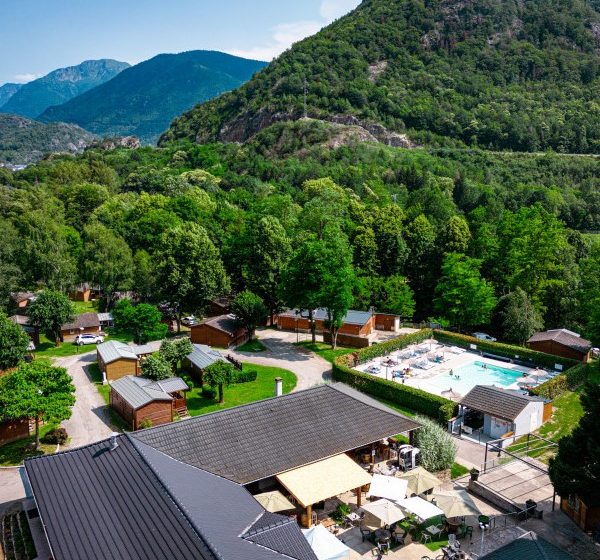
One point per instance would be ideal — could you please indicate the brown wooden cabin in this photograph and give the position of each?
(138, 400)
(23, 322)
(222, 331)
(219, 306)
(117, 359)
(582, 512)
(22, 299)
(563, 343)
(199, 359)
(14, 430)
(356, 323)
(86, 323)
(83, 292)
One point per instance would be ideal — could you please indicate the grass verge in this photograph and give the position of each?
(14, 453)
(458, 470)
(325, 351)
(254, 345)
(241, 393)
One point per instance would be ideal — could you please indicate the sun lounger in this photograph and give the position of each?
(456, 350)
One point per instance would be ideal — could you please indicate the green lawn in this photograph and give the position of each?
(325, 350)
(458, 470)
(14, 453)
(241, 393)
(85, 307)
(46, 348)
(254, 345)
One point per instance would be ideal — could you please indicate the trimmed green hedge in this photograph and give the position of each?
(434, 406)
(568, 381)
(245, 376)
(505, 350)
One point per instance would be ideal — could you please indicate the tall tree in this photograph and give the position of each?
(49, 312)
(576, 468)
(391, 247)
(189, 269)
(107, 261)
(518, 316)
(37, 390)
(455, 236)
(249, 310)
(390, 295)
(14, 343)
(267, 251)
(461, 295)
(219, 374)
(156, 367)
(142, 321)
(423, 262)
(175, 351)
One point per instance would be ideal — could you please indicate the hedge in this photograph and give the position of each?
(506, 350)
(245, 376)
(434, 406)
(568, 381)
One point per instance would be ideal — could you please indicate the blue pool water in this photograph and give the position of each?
(475, 374)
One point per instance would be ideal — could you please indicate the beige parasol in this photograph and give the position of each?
(274, 501)
(455, 503)
(420, 480)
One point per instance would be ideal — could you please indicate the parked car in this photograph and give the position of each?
(81, 339)
(189, 321)
(484, 336)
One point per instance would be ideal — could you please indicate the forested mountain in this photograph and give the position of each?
(144, 99)
(61, 85)
(24, 141)
(7, 91)
(501, 74)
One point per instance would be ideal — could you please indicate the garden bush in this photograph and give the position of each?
(145, 423)
(568, 381)
(438, 450)
(245, 376)
(209, 392)
(57, 436)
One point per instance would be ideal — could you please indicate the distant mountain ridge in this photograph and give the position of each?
(24, 141)
(144, 99)
(497, 74)
(7, 91)
(60, 85)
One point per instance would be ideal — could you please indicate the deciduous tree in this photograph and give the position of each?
(156, 367)
(219, 374)
(249, 310)
(518, 316)
(49, 312)
(14, 343)
(37, 390)
(142, 321)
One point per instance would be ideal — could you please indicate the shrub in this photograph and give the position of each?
(145, 423)
(438, 450)
(568, 381)
(156, 367)
(506, 350)
(245, 376)
(209, 392)
(552, 388)
(58, 436)
(340, 513)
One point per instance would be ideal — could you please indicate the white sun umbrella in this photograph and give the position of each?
(388, 487)
(420, 507)
(385, 510)
(455, 503)
(534, 376)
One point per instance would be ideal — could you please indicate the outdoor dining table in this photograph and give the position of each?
(383, 535)
(433, 530)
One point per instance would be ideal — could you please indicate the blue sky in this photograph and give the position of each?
(38, 36)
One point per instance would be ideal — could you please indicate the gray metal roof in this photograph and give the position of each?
(143, 349)
(353, 317)
(136, 502)
(529, 547)
(502, 403)
(114, 350)
(139, 391)
(203, 356)
(105, 317)
(261, 439)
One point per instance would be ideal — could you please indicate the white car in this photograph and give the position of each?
(189, 320)
(81, 339)
(484, 336)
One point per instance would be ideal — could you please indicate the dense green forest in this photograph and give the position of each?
(499, 74)
(464, 236)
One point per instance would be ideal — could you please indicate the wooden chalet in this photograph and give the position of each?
(222, 331)
(85, 323)
(117, 359)
(563, 343)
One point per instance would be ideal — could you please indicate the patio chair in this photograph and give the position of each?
(365, 534)
(384, 547)
(425, 537)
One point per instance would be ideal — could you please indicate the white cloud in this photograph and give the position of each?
(285, 35)
(333, 9)
(24, 78)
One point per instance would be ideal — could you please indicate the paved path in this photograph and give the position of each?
(89, 421)
(470, 454)
(281, 352)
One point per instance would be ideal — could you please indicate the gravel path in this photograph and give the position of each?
(281, 352)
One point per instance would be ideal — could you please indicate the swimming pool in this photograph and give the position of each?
(475, 374)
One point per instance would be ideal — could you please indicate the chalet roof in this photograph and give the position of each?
(565, 338)
(133, 501)
(140, 391)
(22, 320)
(105, 317)
(261, 439)
(502, 403)
(224, 323)
(143, 349)
(528, 547)
(203, 356)
(353, 317)
(114, 350)
(85, 321)
(22, 296)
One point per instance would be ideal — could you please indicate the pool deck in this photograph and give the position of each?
(422, 378)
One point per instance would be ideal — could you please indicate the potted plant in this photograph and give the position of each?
(474, 474)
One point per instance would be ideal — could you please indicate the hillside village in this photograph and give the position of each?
(348, 307)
